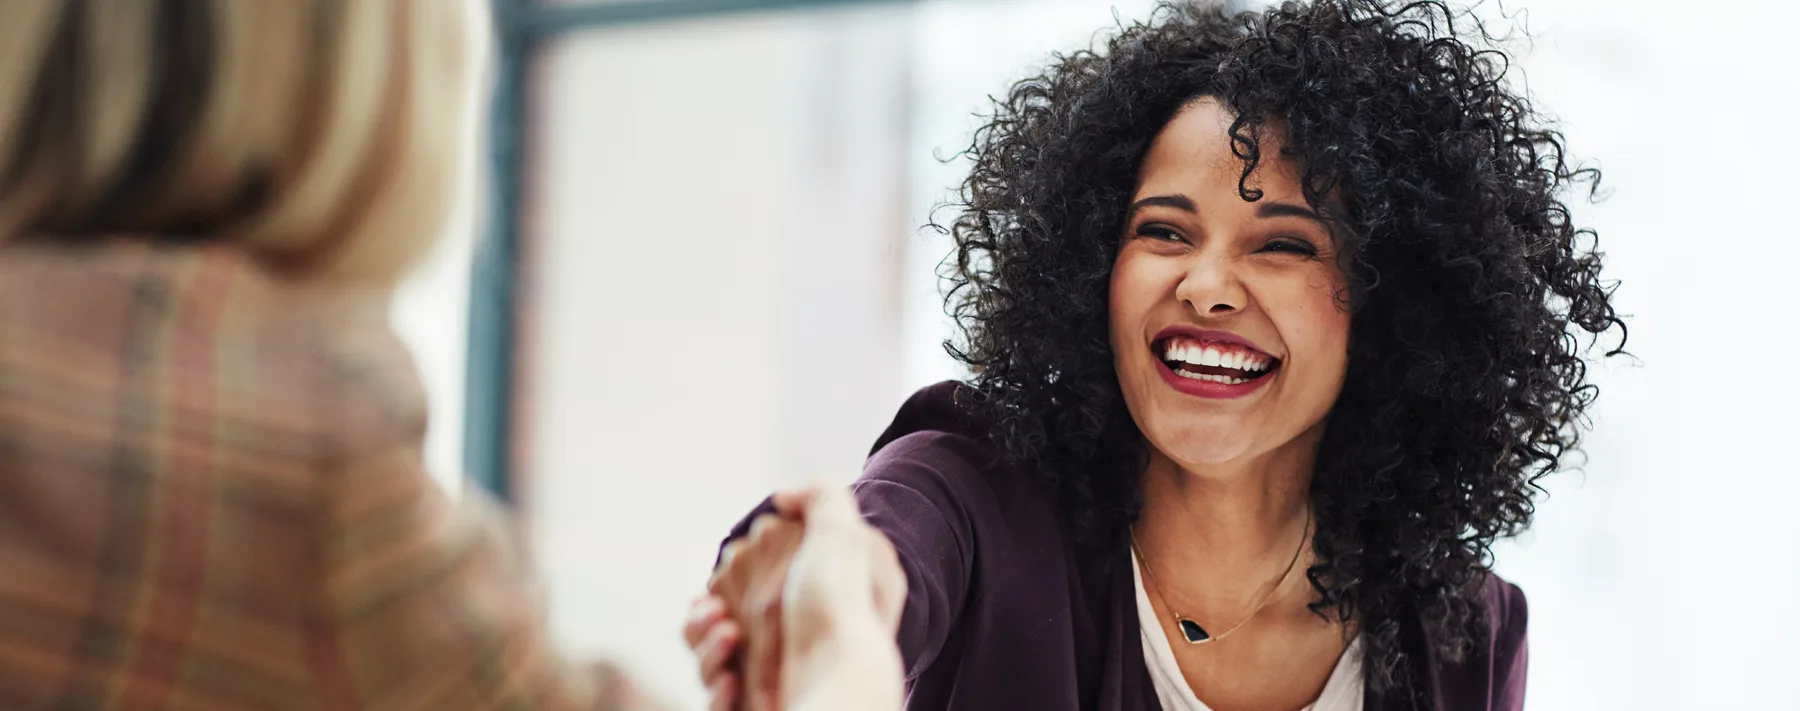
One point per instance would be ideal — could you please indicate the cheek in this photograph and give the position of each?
(1316, 325)
(1129, 298)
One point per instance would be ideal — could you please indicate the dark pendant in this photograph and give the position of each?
(1192, 630)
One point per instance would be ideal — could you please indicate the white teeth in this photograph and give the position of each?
(1196, 354)
(1228, 380)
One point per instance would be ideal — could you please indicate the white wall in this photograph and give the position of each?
(1658, 575)
(713, 235)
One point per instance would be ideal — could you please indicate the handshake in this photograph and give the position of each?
(801, 613)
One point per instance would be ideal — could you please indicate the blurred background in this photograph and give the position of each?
(693, 272)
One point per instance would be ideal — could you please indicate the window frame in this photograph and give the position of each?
(521, 27)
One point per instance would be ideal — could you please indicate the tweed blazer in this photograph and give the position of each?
(212, 497)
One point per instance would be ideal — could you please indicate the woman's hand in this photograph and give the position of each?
(841, 563)
(752, 572)
(802, 612)
(735, 631)
(714, 638)
(844, 596)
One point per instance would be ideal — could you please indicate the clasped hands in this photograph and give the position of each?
(802, 613)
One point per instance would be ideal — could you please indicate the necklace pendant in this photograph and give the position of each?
(1192, 630)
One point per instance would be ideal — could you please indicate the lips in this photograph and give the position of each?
(1211, 363)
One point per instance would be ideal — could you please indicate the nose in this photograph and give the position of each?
(1211, 287)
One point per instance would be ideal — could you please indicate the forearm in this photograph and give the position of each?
(854, 668)
(467, 597)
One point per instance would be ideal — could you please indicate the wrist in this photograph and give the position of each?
(852, 664)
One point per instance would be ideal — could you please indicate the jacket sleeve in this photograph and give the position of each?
(1509, 615)
(423, 602)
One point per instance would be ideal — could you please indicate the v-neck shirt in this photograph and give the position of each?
(1343, 690)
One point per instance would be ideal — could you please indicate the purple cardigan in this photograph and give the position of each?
(1004, 611)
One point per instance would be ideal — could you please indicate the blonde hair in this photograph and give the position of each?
(324, 137)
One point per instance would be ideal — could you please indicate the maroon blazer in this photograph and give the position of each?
(1004, 611)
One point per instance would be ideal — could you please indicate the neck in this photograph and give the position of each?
(1220, 534)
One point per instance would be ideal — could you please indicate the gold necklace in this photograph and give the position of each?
(1191, 630)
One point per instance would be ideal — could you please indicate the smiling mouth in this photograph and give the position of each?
(1211, 361)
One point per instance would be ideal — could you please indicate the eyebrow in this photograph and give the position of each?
(1286, 209)
(1179, 202)
(1263, 209)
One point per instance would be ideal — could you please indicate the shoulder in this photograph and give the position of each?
(943, 408)
(936, 458)
(1506, 612)
(1507, 652)
(1489, 675)
(169, 375)
(938, 444)
(1492, 674)
(207, 332)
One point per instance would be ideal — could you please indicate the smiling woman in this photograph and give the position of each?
(1271, 322)
(1202, 271)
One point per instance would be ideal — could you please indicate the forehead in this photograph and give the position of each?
(1193, 153)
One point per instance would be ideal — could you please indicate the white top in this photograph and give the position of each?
(1343, 691)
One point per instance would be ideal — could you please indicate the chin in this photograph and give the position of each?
(1199, 444)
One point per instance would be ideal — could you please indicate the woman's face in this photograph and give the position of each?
(1228, 336)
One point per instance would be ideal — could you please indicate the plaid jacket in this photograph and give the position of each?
(212, 497)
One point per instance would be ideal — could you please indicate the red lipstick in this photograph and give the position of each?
(1209, 380)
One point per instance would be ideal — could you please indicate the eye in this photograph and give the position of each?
(1160, 233)
(1289, 245)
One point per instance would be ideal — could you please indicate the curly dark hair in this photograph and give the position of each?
(1466, 381)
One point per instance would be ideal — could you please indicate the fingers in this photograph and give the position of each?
(792, 502)
(748, 586)
(762, 611)
(762, 525)
(718, 649)
(742, 632)
(716, 640)
(706, 611)
(819, 503)
(765, 648)
(760, 529)
(724, 692)
(715, 583)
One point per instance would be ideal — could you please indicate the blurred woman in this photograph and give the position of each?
(211, 484)
(1272, 324)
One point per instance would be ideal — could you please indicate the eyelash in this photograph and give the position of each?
(1160, 233)
(1291, 246)
(1288, 246)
